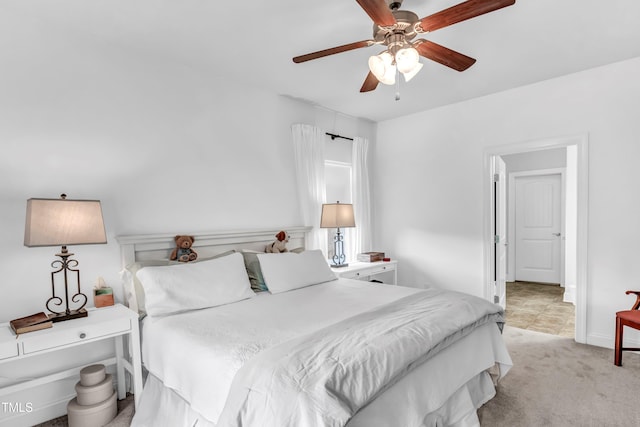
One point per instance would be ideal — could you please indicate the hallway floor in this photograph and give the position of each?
(539, 307)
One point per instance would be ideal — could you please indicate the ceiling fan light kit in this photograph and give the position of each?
(383, 68)
(395, 28)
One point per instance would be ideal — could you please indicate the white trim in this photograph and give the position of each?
(338, 163)
(581, 141)
(158, 246)
(50, 378)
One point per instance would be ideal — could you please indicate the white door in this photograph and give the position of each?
(538, 224)
(500, 231)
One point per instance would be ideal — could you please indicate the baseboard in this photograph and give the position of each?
(569, 294)
(25, 417)
(607, 341)
(18, 411)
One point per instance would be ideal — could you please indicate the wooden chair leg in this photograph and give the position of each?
(618, 344)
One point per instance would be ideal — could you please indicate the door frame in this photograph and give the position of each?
(581, 142)
(500, 231)
(511, 215)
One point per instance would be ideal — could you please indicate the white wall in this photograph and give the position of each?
(165, 147)
(429, 182)
(190, 158)
(534, 160)
(205, 156)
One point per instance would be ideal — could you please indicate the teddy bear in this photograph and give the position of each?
(280, 245)
(183, 251)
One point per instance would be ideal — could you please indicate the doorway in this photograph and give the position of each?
(575, 236)
(535, 290)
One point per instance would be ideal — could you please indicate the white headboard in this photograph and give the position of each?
(159, 246)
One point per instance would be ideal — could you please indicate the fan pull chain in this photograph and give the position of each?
(397, 85)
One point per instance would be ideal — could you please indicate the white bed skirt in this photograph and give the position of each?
(446, 390)
(163, 407)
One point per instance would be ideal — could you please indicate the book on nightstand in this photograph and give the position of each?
(370, 256)
(34, 322)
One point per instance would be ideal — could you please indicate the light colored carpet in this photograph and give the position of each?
(556, 382)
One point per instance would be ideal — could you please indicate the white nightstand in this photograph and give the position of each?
(365, 270)
(102, 323)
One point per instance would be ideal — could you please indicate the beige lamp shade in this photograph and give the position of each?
(337, 215)
(61, 222)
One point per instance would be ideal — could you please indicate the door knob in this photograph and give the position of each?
(556, 234)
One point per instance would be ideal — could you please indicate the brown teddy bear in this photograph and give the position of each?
(280, 245)
(183, 251)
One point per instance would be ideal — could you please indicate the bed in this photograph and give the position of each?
(312, 350)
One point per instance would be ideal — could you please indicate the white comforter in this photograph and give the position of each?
(324, 378)
(198, 354)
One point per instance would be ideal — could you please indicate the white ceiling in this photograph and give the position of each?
(531, 41)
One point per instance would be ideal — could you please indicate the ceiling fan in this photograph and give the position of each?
(395, 29)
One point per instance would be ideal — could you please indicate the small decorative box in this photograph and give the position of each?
(103, 297)
(102, 294)
(95, 404)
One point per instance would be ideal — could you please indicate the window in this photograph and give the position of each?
(337, 176)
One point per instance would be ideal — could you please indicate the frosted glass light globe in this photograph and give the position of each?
(411, 74)
(382, 67)
(407, 59)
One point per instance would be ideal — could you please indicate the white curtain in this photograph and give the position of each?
(308, 149)
(360, 236)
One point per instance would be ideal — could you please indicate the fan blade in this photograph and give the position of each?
(333, 51)
(443, 55)
(461, 12)
(378, 11)
(370, 83)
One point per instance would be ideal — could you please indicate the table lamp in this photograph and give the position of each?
(62, 222)
(337, 215)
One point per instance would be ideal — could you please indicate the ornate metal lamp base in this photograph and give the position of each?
(338, 251)
(73, 314)
(339, 265)
(65, 267)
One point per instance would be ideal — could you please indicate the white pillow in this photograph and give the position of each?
(133, 290)
(190, 286)
(286, 271)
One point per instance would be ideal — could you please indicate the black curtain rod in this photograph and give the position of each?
(334, 136)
